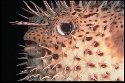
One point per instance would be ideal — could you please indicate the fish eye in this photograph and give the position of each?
(65, 28)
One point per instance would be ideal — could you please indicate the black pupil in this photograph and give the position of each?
(66, 28)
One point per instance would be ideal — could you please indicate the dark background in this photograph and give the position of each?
(11, 35)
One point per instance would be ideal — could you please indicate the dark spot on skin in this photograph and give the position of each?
(88, 38)
(110, 19)
(121, 22)
(86, 16)
(80, 21)
(39, 40)
(73, 13)
(98, 34)
(90, 11)
(89, 25)
(89, 52)
(96, 44)
(103, 65)
(121, 26)
(117, 67)
(105, 27)
(70, 42)
(80, 36)
(67, 68)
(87, 32)
(84, 21)
(56, 47)
(51, 66)
(116, 26)
(90, 20)
(63, 14)
(106, 75)
(78, 68)
(43, 40)
(77, 58)
(105, 21)
(79, 10)
(47, 37)
(82, 30)
(91, 65)
(103, 35)
(96, 76)
(74, 39)
(53, 35)
(85, 52)
(114, 22)
(106, 38)
(55, 56)
(112, 14)
(118, 10)
(119, 18)
(34, 37)
(38, 35)
(59, 66)
(95, 27)
(82, 40)
(108, 12)
(118, 79)
(41, 44)
(65, 55)
(95, 20)
(63, 45)
(76, 47)
(101, 54)
(58, 42)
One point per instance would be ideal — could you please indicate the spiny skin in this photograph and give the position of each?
(93, 51)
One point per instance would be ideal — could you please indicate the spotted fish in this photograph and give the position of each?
(74, 41)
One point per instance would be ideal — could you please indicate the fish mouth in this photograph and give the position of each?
(34, 50)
